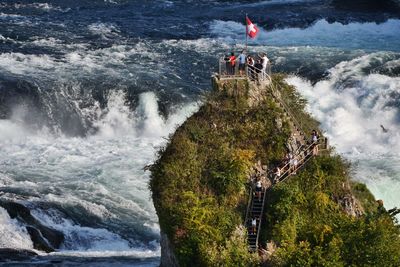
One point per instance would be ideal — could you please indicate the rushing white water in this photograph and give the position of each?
(13, 235)
(100, 176)
(93, 188)
(352, 105)
(384, 36)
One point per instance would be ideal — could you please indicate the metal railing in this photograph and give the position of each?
(228, 71)
(249, 201)
(277, 95)
(302, 156)
(260, 218)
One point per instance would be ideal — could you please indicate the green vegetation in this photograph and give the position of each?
(199, 186)
(296, 103)
(311, 229)
(199, 181)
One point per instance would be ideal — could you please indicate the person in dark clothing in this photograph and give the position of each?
(258, 67)
(227, 64)
(250, 68)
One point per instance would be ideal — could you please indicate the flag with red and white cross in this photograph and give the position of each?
(251, 29)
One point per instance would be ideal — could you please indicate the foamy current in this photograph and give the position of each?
(100, 177)
(89, 91)
(351, 106)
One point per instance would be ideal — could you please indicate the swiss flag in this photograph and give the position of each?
(251, 29)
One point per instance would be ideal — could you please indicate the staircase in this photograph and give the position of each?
(254, 211)
(302, 152)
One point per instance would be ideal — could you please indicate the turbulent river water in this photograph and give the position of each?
(89, 90)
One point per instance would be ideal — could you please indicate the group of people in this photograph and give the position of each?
(257, 67)
(291, 162)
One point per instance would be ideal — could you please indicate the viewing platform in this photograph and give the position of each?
(243, 79)
(255, 72)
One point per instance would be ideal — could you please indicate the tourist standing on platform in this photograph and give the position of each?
(242, 62)
(232, 60)
(265, 64)
(258, 68)
(250, 68)
(227, 65)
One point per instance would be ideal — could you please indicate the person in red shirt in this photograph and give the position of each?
(232, 60)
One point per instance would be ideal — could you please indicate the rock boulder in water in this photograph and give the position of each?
(39, 242)
(43, 237)
(16, 254)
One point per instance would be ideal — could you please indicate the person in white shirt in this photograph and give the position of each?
(265, 63)
(242, 62)
(258, 189)
(253, 225)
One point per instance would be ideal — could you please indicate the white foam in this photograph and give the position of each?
(12, 233)
(12, 130)
(351, 105)
(8, 16)
(135, 253)
(152, 123)
(83, 238)
(105, 30)
(41, 6)
(101, 174)
(117, 118)
(369, 35)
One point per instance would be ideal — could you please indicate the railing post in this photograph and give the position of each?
(219, 65)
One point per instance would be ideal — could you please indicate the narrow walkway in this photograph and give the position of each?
(302, 154)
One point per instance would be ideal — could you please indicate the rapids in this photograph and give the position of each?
(90, 90)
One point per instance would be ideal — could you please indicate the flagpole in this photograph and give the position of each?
(245, 22)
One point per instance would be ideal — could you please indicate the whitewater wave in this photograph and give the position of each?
(13, 234)
(105, 30)
(383, 36)
(93, 189)
(39, 6)
(352, 104)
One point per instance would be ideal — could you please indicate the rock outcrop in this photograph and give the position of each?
(43, 237)
(168, 258)
(16, 254)
(350, 204)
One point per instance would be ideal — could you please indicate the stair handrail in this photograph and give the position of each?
(255, 74)
(301, 160)
(277, 96)
(250, 72)
(248, 204)
(260, 219)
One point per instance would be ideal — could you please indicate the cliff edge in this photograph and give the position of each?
(200, 188)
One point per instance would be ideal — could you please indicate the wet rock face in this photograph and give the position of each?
(168, 258)
(367, 5)
(39, 242)
(16, 254)
(43, 237)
